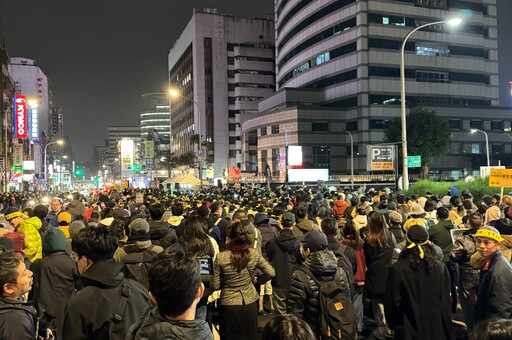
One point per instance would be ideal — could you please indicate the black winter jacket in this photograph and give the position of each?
(282, 255)
(155, 326)
(378, 263)
(162, 234)
(90, 312)
(463, 248)
(55, 282)
(494, 297)
(17, 320)
(303, 299)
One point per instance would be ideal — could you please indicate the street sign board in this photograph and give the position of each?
(414, 161)
(500, 178)
(137, 167)
(380, 157)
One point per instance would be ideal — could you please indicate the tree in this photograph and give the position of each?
(428, 136)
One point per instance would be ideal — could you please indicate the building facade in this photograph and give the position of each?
(221, 66)
(347, 54)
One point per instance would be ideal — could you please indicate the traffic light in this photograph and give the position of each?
(79, 172)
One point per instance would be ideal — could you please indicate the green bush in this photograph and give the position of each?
(478, 188)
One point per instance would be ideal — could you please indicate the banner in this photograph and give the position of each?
(20, 117)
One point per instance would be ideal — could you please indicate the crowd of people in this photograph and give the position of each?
(323, 263)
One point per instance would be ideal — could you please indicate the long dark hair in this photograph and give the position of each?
(413, 255)
(351, 236)
(377, 231)
(194, 239)
(238, 242)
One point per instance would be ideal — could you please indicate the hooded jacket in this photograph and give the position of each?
(303, 299)
(55, 278)
(17, 320)
(155, 326)
(495, 290)
(33, 246)
(339, 208)
(90, 312)
(306, 225)
(175, 220)
(162, 234)
(282, 255)
(360, 221)
(440, 234)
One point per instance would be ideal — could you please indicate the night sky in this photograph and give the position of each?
(102, 55)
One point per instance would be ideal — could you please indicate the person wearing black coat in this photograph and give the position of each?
(417, 300)
(55, 279)
(378, 251)
(494, 299)
(90, 314)
(281, 253)
(303, 298)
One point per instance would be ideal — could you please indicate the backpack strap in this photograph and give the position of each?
(310, 274)
(121, 305)
(218, 221)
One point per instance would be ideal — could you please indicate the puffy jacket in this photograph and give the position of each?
(17, 320)
(303, 299)
(33, 246)
(155, 326)
(162, 234)
(463, 248)
(495, 290)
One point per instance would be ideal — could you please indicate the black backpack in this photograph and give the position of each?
(337, 318)
(136, 265)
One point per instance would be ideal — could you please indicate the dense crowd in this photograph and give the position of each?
(325, 262)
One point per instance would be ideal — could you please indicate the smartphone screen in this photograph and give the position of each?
(206, 266)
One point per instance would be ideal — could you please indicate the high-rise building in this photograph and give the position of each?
(337, 70)
(155, 122)
(221, 66)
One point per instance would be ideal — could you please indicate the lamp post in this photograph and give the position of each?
(175, 93)
(405, 174)
(60, 142)
(351, 160)
(486, 144)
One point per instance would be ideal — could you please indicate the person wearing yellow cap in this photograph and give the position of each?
(494, 299)
(417, 300)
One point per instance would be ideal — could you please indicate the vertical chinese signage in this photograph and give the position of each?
(18, 154)
(20, 117)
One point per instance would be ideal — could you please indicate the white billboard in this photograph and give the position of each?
(308, 175)
(294, 155)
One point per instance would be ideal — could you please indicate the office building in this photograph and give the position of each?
(337, 70)
(221, 66)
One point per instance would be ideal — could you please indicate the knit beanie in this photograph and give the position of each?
(75, 227)
(54, 240)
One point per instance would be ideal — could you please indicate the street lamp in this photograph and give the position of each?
(486, 144)
(351, 160)
(175, 93)
(405, 174)
(60, 142)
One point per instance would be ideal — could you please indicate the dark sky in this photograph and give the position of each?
(101, 55)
